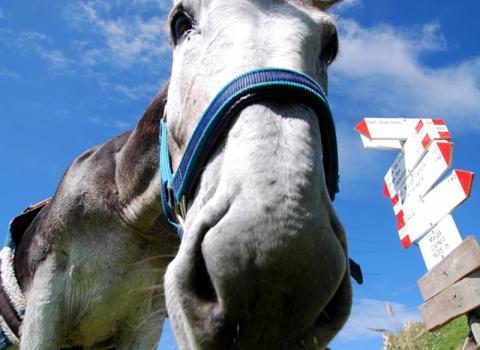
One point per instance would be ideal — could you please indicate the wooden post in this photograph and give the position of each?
(462, 261)
(423, 206)
(452, 288)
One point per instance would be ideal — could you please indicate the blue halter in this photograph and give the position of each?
(247, 89)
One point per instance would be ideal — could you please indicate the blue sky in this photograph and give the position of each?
(73, 74)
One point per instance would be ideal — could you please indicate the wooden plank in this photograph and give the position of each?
(457, 300)
(460, 262)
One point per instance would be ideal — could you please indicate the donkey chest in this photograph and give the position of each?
(104, 291)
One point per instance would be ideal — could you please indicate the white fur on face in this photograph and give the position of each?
(229, 40)
(261, 220)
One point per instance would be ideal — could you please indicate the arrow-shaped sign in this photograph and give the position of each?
(413, 150)
(436, 204)
(381, 144)
(435, 163)
(417, 145)
(400, 128)
(440, 241)
(401, 188)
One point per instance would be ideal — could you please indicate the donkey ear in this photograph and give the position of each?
(324, 4)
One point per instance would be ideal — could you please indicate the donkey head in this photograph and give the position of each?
(263, 260)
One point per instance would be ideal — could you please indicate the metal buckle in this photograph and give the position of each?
(181, 210)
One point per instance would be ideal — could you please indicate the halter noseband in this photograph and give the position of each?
(249, 88)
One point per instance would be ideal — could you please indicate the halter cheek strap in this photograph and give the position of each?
(249, 88)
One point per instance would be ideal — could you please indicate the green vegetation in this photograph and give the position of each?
(416, 337)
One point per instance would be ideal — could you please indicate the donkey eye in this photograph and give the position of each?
(181, 24)
(330, 49)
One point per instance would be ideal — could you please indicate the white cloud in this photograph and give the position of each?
(7, 73)
(347, 4)
(370, 314)
(380, 71)
(124, 125)
(55, 58)
(128, 40)
(120, 44)
(133, 92)
(31, 42)
(160, 4)
(22, 39)
(118, 124)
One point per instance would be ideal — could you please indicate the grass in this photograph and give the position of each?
(414, 336)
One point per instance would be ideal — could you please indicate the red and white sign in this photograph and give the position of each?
(436, 204)
(395, 177)
(439, 242)
(381, 144)
(416, 146)
(435, 163)
(406, 190)
(404, 164)
(422, 210)
(400, 128)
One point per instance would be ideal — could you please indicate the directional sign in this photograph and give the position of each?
(384, 128)
(439, 242)
(435, 163)
(422, 210)
(401, 188)
(416, 146)
(381, 144)
(395, 177)
(413, 150)
(437, 128)
(436, 204)
(405, 163)
(400, 128)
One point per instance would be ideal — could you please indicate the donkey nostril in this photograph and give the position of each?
(196, 275)
(201, 283)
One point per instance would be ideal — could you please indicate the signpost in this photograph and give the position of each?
(381, 144)
(400, 128)
(440, 241)
(431, 168)
(422, 203)
(400, 185)
(416, 220)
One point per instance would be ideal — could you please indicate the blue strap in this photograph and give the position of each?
(165, 177)
(251, 87)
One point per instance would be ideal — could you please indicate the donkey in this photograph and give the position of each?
(263, 260)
